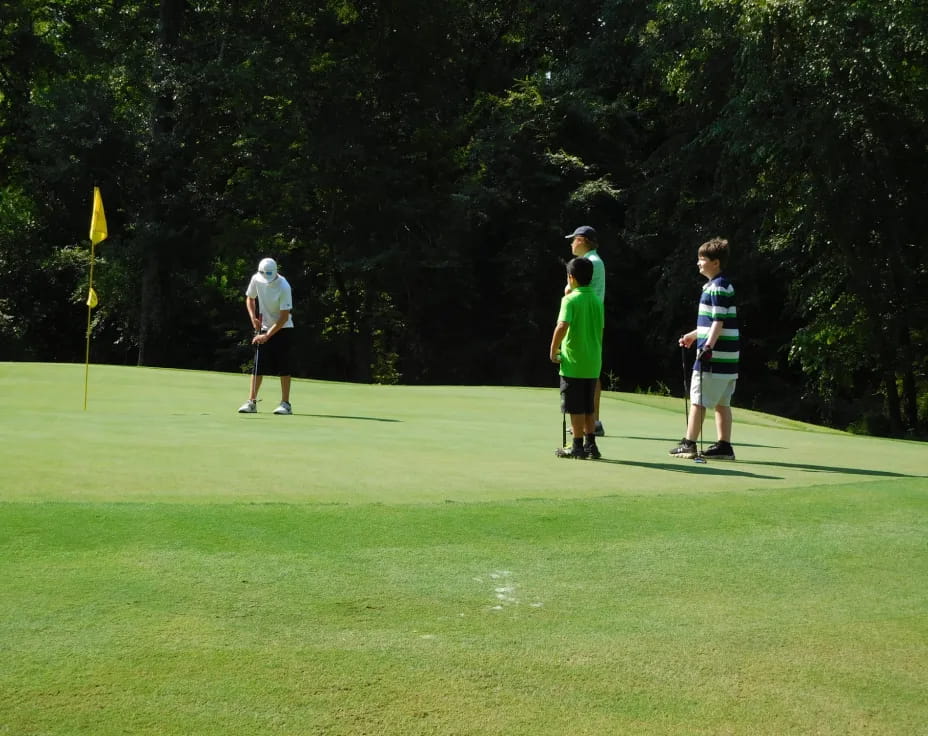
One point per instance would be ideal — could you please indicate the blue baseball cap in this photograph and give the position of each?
(584, 231)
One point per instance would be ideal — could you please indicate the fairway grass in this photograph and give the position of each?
(400, 560)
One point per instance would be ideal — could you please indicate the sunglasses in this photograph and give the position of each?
(268, 273)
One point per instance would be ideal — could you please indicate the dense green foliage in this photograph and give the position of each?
(414, 166)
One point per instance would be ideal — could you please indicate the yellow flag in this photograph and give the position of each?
(98, 219)
(92, 298)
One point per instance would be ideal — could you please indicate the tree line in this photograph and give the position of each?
(414, 166)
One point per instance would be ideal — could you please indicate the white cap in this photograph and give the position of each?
(267, 270)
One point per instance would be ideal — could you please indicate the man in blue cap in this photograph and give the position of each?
(584, 244)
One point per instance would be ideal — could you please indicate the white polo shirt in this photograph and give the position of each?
(272, 298)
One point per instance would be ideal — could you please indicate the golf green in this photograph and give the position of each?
(406, 561)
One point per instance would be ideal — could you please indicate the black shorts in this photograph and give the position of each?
(274, 356)
(577, 395)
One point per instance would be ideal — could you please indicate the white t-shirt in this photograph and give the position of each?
(599, 274)
(272, 298)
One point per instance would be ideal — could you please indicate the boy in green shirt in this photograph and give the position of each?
(577, 347)
(584, 243)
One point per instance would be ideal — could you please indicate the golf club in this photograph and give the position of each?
(700, 458)
(254, 370)
(563, 423)
(686, 391)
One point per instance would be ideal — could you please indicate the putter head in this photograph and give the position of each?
(700, 459)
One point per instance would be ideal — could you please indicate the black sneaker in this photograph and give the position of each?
(592, 451)
(577, 453)
(720, 451)
(686, 449)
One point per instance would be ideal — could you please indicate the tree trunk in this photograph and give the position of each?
(909, 387)
(162, 161)
(892, 402)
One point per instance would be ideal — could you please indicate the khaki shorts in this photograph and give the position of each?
(712, 390)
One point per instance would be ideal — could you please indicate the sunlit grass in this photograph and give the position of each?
(775, 595)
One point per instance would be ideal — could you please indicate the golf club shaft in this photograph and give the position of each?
(254, 372)
(702, 420)
(686, 391)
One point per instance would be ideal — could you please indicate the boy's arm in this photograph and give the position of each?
(554, 353)
(688, 339)
(714, 333)
(251, 305)
(273, 329)
(712, 337)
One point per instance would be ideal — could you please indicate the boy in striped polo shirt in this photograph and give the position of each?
(718, 345)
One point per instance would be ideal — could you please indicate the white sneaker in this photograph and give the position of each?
(284, 408)
(249, 407)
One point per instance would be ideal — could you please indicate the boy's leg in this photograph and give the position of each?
(577, 399)
(589, 424)
(589, 438)
(723, 422)
(251, 406)
(599, 431)
(282, 364)
(722, 449)
(578, 425)
(589, 420)
(697, 416)
(284, 407)
(280, 354)
(577, 422)
(687, 447)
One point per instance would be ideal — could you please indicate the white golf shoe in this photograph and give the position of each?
(249, 407)
(284, 408)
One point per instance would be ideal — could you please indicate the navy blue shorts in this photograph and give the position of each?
(274, 355)
(577, 395)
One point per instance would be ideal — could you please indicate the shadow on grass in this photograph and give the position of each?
(342, 416)
(688, 466)
(837, 469)
(320, 416)
(675, 440)
(725, 467)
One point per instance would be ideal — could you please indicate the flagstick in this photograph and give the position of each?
(89, 310)
(97, 235)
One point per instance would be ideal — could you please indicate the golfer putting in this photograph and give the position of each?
(715, 370)
(269, 302)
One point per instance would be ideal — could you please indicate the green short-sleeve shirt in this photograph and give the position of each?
(582, 348)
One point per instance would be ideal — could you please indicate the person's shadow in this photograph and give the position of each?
(675, 440)
(689, 466)
(726, 467)
(344, 416)
(837, 469)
